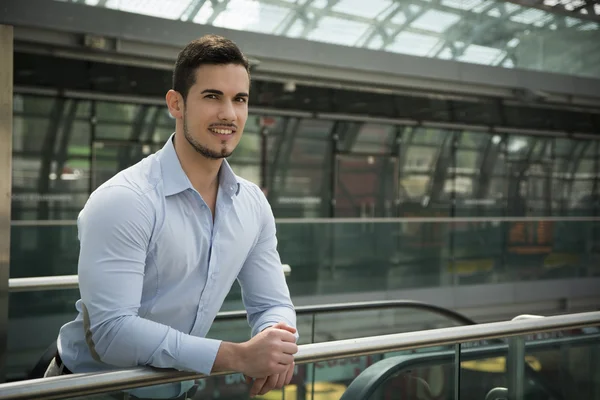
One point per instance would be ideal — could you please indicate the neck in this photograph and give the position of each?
(202, 172)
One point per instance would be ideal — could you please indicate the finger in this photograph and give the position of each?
(289, 348)
(290, 373)
(285, 359)
(269, 384)
(257, 387)
(287, 336)
(279, 369)
(284, 326)
(281, 380)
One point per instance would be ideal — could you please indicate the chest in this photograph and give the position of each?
(190, 244)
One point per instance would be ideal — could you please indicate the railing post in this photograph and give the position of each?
(515, 368)
(6, 115)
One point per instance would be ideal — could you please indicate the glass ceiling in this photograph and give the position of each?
(488, 32)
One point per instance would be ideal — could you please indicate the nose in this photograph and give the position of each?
(227, 112)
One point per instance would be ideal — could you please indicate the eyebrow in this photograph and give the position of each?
(214, 91)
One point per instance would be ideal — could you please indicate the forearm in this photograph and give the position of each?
(230, 357)
(131, 341)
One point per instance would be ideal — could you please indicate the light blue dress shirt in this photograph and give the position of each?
(154, 269)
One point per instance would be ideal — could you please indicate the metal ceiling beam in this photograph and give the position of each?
(58, 27)
(557, 9)
(192, 9)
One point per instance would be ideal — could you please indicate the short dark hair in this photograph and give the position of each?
(209, 49)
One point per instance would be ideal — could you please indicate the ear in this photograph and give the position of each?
(175, 104)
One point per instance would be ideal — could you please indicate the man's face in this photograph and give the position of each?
(216, 109)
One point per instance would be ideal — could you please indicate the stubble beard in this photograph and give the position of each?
(203, 150)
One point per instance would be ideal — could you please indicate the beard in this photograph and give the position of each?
(203, 150)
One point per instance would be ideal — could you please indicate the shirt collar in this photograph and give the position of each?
(175, 180)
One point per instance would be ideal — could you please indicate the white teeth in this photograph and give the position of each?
(222, 131)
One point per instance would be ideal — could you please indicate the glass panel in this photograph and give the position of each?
(342, 259)
(375, 138)
(43, 250)
(473, 140)
(515, 36)
(50, 174)
(354, 324)
(123, 121)
(565, 364)
(246, 159)
(481, 369)
(333, 256)
(299, 167)
(109, 158)
(365, 186)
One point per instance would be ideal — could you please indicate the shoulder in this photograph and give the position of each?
(131, 193)
(252, 193)
(141, 178)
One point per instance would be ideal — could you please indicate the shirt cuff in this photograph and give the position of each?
(198, 354)
(275, 315)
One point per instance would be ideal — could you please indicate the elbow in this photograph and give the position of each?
(108, 345)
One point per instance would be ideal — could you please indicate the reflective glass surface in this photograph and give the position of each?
(310, 167)
(540, 366)
(485, 32)
(344, 260)
(570, 370)
(64, 148)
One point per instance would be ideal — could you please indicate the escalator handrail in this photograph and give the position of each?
(369, 380)
(81, 384)
(64, 282)
(365, 306)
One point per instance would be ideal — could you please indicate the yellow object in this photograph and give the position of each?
(497, 365)
(323, 391)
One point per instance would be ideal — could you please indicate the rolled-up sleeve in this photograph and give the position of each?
(115, 229)
(265, 292)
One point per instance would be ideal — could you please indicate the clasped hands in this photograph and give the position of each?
(285, 360)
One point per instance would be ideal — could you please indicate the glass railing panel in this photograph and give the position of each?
(34, 321)
(558, 365)
(43, 250)
(425, 373)
(480, 373)
(570, 367)
(355, 324)
(333, 257)
(426, 382)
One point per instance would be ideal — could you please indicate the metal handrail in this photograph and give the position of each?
(60, 282)
(92, 383)
(40, 283)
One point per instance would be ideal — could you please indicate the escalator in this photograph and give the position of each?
(559, 368)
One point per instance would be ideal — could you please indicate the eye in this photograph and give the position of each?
(210, 96)
(242, 99)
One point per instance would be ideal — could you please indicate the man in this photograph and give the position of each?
(163, 241)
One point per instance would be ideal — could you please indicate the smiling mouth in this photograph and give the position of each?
(222, 131)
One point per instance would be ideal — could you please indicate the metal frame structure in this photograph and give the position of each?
(387, 20)
(97, 33)
(6, 111)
